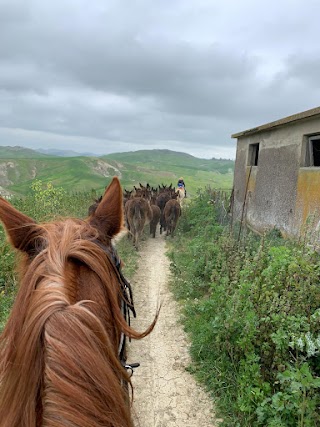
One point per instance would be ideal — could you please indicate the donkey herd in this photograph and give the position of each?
(148, 205)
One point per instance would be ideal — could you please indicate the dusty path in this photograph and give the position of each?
(165, 394)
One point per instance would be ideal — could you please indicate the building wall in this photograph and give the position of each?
(307, 209)
(279, 192)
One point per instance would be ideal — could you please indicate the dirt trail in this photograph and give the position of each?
(165, 394)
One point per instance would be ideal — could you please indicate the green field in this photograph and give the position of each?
(21, 168)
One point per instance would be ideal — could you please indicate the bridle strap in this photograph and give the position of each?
(126, 301)
(124, 283)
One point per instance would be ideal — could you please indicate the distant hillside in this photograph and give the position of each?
(20, 166)
(19, 153)
(157, 166)
(63, 153)
(161, 159)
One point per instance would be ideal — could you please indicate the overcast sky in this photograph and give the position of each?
(106, 76)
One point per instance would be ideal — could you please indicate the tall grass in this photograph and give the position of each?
(252, 309)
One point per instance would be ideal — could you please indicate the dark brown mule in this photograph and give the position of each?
(59, 363)
(172, 212)
(156, 214)
(94, 206)
(138, 213)
(126, 196)
(161, 201)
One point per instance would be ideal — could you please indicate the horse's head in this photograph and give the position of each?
(59, 350)
(31, 238)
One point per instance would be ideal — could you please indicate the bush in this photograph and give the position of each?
(252, 310)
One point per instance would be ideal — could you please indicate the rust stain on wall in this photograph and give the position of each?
(308, 194)
(251, 185)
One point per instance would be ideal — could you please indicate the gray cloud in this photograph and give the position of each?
(122, 75)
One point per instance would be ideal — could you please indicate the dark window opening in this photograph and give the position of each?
(314, 150)
(253, 156)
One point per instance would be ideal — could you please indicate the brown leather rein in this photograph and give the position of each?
(127, 305)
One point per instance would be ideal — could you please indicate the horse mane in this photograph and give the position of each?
(58, 351)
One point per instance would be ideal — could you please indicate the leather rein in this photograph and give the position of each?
(127, 305)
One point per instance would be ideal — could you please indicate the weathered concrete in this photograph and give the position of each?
(281, 191)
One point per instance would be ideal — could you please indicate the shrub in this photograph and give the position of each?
(252, 309)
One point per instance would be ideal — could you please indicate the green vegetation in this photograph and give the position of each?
(83, 174)
(7, 278)
(252, 309)
(19, 153)
(73, 174)
(164, 166)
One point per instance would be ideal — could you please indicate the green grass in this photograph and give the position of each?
(164, 166)
(73, 174)
(7, 278)
(19, 152)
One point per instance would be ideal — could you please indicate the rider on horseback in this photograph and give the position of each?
(181, 184)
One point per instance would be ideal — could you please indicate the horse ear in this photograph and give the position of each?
(108, 217)
(23, 232)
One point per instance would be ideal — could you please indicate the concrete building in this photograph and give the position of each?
(277, 175)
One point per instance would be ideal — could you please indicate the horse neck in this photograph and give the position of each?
(57, 358)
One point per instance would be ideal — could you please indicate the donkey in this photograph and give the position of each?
(162, 199)
(138, 214)
(172, 212)
(156, 214)
(94, 206)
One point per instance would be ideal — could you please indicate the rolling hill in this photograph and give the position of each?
(20, 166)
(17, 152)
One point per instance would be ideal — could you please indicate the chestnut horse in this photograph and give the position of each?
(181, 194)
(59, 361)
